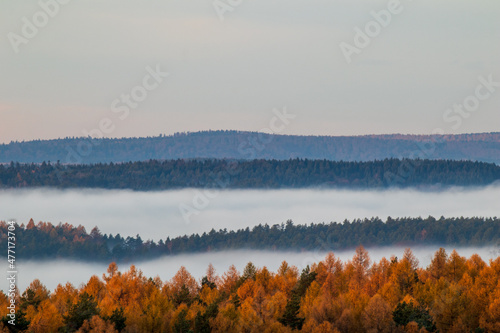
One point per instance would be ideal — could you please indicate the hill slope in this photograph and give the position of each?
(483, 147)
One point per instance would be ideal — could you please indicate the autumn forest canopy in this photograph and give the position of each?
(452, 294)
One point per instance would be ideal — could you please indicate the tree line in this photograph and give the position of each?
(452, 294)
(294, 173)
(47, 241)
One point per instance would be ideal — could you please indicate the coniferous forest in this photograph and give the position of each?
(47, 241)
(294, 173)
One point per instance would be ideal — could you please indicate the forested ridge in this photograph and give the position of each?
(294, 173)
(252, 145)
(452, 294)
(47, 241)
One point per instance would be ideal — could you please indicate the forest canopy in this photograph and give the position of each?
(45, 240)
(222, 174)
(452, 294)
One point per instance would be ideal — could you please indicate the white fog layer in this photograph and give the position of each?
(156, 215)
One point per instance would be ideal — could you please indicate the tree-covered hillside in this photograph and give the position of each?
(251, 145)
(48, 241)
(296, 173)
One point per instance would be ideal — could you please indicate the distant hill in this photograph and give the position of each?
(238, 145)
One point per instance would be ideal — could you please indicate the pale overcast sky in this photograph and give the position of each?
(66, 77)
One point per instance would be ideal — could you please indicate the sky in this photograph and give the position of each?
(121, 68)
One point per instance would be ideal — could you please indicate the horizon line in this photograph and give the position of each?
(171, 135)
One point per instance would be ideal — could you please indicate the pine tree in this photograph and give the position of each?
(84, 309)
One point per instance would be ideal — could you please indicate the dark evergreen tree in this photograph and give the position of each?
(291, 316)
(182, 325)
(183, 296)
(21, 322)
(118, 319)
(408, 312)
(84, 309)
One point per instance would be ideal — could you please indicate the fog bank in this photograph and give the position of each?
(156, 215)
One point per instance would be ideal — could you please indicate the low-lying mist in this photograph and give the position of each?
(156, 215)
(51, 273)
